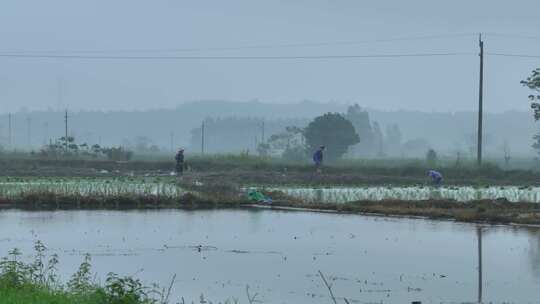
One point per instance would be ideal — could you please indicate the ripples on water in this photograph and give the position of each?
(279, 254)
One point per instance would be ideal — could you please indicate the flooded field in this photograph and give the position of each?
(278, 254)
(461, 194)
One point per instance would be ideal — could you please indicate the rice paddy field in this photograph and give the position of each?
(418, 193)
(168, 187)
(11, 188)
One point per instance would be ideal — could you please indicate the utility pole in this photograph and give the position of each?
(66, 129)
(480, 100)
(29, 127)
(262, 132)
(479, 234)
(202, 138)
(9, 130)
(172, 141)
(46, 133)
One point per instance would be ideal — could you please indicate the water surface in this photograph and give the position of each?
(278, 254)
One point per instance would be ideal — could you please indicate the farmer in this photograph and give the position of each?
(318, 157)
(436, 177)
(258, 197)
(179, 161)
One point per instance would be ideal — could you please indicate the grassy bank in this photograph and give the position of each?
(53, 201)
(37, 282)
(482, 211)
(497, 211)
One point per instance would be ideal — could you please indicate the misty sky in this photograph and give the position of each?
(153, 28)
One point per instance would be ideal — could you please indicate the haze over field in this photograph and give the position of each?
(270, 28)
(236, 127)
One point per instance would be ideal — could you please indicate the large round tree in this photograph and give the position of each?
(333, 131)
(533, 83)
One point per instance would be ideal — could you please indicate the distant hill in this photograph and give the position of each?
(446, 132)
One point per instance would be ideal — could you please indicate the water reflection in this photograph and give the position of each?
(279, 254)
(480, 264)
(534, 251)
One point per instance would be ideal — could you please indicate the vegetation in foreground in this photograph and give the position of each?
(38, 282)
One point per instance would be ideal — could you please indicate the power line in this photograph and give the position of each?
(261, 46)
(513, 36)
(314, 57)
(513, 55)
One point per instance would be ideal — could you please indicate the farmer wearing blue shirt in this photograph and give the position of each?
(436, 177)
(318, 158)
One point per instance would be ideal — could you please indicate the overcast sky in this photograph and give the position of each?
(153, 28)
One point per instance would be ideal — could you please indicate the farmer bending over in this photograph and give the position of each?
(436, 177)
(318, 158)
(258, 197)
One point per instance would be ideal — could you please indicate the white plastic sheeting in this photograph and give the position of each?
(461, 194)
(89, 188)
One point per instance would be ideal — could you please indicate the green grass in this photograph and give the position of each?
(37, 282)
(41, 295)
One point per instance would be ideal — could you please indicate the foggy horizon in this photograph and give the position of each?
(440, 83)
(61, 110)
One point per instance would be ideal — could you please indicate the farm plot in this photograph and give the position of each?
(460, 194)
(12, 188)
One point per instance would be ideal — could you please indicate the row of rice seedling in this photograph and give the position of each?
(461, 194)
(82, 187)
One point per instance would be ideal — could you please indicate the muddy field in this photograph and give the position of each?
(267, 173)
